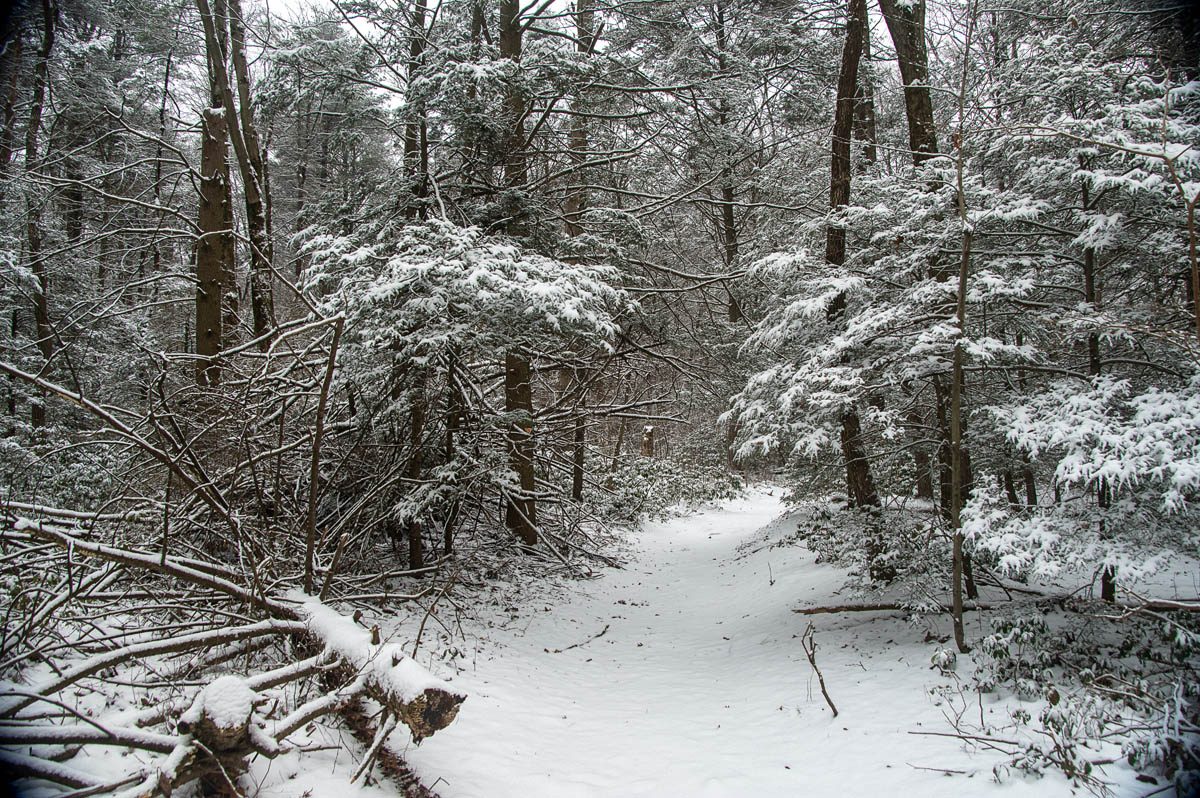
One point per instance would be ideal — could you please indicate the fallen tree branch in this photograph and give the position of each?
(98, 663)
(809, 644)
(22, 766)
(154, 562)
(577, 645)
(41, 734)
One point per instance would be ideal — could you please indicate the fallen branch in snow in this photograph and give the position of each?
(577, 645)
(882, 607)
(1146, 605)
(41, 734)
(390, 763)
(809, 644)
(850, 608)
(17, 766)
(947, 771)
(212, 740)
(98, 663)
(207, 575)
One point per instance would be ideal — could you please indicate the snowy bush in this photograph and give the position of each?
(654, 487)
(1016, 654)
(1124, 680)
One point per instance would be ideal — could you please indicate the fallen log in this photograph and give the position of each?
(423, 702)
(1153, 605)
(213, 738)
(882, 607)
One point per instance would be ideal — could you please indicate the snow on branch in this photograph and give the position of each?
(423, 702)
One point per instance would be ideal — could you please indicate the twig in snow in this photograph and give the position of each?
(937, 770)
(432, 606)
(577, 645)
(387, 724)
(809, 644)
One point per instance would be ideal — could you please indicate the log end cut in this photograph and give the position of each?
(430, 712)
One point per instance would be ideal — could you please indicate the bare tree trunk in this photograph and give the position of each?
(247, 148)
(251, 159)
(1108, 578)
(521, 511)
(906, 24)
(10, 73)
(864, 104)
(960, 464)
(156, 258)
(616, 455)
(859, 482)
(577, 454)
(921, 459)
(585, 41)
(416, 545)
(416, 149)
(212, 247)
(455, 415)
(41, 301)
(576, 203)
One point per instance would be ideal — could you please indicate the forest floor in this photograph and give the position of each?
(683, 674)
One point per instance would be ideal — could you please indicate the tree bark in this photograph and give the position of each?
(576, 203)
(520, 514)
(213, 246)
(416, 147)
(41, 301)
(10, 72)
(860, 484)
(520, 510)
(864, 104)
(1108, 577)
(906, 24)
(416, 546)
(251, 159)
(455, 415)
(246, 146)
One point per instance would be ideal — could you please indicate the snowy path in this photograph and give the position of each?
(699, 687)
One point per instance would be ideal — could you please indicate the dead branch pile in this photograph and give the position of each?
(184, 620)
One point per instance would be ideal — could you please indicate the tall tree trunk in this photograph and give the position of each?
(906, 24)
(416, 148)
(864, 104)
(416, 462)
(252, 161)
(921, 459)
(960, 464)
(573, 208)
(246, 146)
(33, 226)
(577, 457)
(216, 253)
(1108, 578)
(212, 248)
(521, 510)
(859, 482)
(520, 514)
(10, 73)
(156, 258)
(455, 415)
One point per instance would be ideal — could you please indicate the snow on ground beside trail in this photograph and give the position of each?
(698, 685)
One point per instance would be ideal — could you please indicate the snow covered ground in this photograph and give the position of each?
(683, 675)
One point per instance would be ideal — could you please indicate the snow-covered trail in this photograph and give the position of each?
(700, 687)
